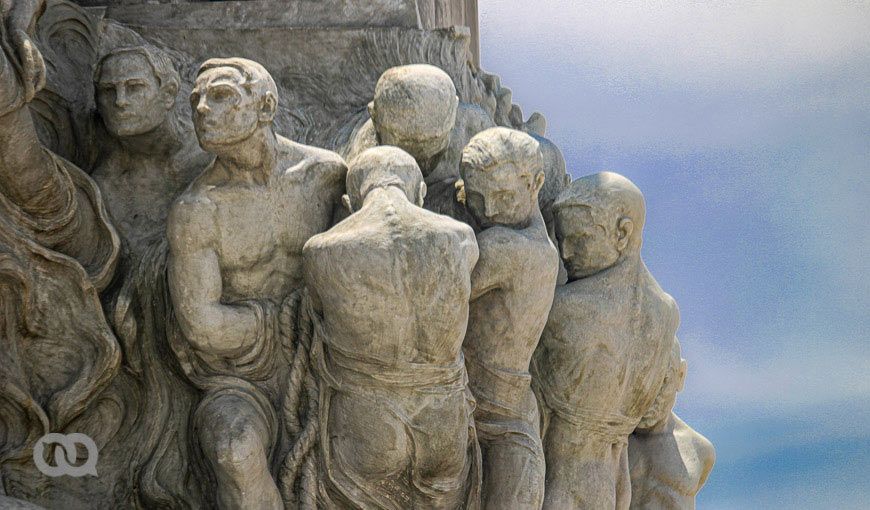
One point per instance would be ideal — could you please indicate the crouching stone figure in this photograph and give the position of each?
(511, 293)
(606, 348)
(392, 284)
(668, 460)
(236, 238)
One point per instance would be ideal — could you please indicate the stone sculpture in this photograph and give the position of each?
(604, 353)
(415, 108)
(236, 238)
(511, 293)
(225, 348)
(669, 462)
(392, 283)
(151, 149)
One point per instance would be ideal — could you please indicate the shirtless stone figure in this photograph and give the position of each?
(605, 350)
(669, 462)
(416, 108)
(236, 238)
(152, 154)
(512, 290)
(392, 283)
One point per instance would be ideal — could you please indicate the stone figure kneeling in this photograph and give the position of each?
(392, 283)
(236, 238)
(512, 290)
(605, 351)
(669, 461)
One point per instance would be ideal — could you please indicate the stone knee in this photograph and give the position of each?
(232, 433)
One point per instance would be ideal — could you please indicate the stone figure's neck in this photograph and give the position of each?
(164, 140)
(252, 159)
(391, 194)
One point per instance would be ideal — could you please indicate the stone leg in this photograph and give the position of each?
(583, 472)
(234, 436)
(513, 474)
(441, 452)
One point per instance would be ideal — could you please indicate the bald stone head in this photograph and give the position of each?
(414, 108)
(382, 167)
(599, 221)
(502, 170)
(231, 100)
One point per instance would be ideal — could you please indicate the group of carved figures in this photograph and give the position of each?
(405, 325)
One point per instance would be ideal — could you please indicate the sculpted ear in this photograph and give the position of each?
(539, 181)
(170, 91)
(625, 229)
(346, 201)
(454, 107)
(421, 194)
(460, 191)
(268, 106)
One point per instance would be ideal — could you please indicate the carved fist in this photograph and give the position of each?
(32, 64)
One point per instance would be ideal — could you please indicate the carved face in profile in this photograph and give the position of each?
(504, 195)
(225, 112)
(130, 98)
(587, 242)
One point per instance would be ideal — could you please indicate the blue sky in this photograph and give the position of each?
(747, 126)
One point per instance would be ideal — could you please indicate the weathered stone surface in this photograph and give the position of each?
(511, 293)
(193, 298)
(235, 240)
(605, 350)
(392, 283)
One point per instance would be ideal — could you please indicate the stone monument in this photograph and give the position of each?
(308, 254)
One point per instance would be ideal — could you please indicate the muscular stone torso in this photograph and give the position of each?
(259, 231)
(398, 284)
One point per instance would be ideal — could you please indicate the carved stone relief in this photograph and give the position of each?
(286, 255)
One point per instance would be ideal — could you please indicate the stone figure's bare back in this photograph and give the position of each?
(405, 266)
(506, 321)
(606, 341)
(258, 230)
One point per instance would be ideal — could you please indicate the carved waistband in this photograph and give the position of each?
(500, 390)
(342, 370)
(613, 428)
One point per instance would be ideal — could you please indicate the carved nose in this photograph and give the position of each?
(121, 98)
(201, 106)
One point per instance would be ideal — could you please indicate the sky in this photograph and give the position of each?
(747, 127)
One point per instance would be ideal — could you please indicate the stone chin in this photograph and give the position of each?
(130, 126)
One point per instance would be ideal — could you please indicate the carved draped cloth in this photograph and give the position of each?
(58, 352)
(407, 385)
(506, 407)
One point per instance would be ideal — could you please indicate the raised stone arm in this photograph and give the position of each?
(19, 20)
(196, 287)
(55, 201)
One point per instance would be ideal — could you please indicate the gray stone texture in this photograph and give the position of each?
(306, 254)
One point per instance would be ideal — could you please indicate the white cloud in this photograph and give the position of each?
(683, 42)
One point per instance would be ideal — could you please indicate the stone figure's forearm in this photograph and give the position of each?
(209, 325)
(223, 330)
(28, 175)
(21, 14)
